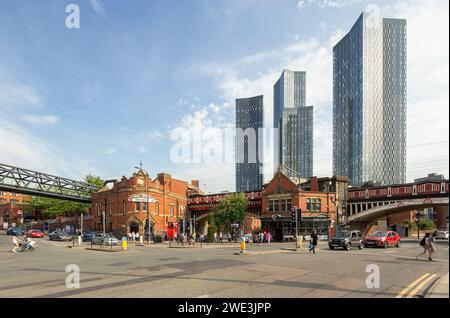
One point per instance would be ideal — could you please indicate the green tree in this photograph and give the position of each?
(230, 210)
(51, 208)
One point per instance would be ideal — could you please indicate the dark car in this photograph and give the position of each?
(15, 231)
(87, 236)
(382, 239)
(59, 236)
(347, 240)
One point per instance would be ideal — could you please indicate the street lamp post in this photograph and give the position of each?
(328, 206)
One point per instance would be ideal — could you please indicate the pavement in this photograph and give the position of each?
(265, 271)
(440, 289)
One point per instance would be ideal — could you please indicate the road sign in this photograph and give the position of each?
(141, 198)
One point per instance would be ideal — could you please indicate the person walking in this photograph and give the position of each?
(15, 244)
(220, 237)
(261, 238)
(137, 236)
(313, 241)
(425, 244)
(432, 246)
(133, 236)
(268, 238)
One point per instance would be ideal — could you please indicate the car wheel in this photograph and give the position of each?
(398, 244)
(331, 247)
(348, 246)
(386, 245)
(361, 246)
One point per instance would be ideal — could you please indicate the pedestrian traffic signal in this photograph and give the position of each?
(293, 215)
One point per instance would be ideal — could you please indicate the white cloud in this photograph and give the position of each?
(326, 3)
(110, 151)
(40, 120)
(16, 94)
(19, 148)
(98, 6)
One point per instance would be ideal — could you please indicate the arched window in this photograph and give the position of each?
(171, 209)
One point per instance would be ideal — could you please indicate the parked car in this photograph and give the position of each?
(35, 233)
(87, 236)
(441, 235)
(104, 239)
(382, 239)
(15, 231)
(347, 240)
(59, 236)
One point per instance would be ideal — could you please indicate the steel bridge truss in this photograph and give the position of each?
(19, 180)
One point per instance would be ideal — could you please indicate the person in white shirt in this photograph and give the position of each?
(133, 236)
(137, 236)
(15, 244)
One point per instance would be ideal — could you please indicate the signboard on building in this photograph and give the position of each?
(141, 198)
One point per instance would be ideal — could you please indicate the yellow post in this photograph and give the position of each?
(242, 245)
(124, 244)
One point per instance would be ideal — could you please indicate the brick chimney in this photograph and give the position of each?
(314, 184)
(195, 183)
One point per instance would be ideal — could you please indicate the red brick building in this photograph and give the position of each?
(125, 205)
(11, 209)
(270, 209)
(281, 194)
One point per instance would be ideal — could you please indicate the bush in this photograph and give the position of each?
(426, 224)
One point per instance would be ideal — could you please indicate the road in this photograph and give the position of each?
(267, 271)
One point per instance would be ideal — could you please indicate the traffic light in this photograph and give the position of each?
(299, 215)
(293, 215)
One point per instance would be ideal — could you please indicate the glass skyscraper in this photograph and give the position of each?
(369, 101)
(294, 120)
(248, 145)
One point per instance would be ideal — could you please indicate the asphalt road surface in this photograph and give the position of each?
(267, 271)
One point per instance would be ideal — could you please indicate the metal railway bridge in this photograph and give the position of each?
(20, 180)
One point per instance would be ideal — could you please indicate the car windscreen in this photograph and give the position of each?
(380, 234)
(343, 235)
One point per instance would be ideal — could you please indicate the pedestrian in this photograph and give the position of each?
(313, 241)
(432, 246)
(15, 244)
(261, 237)
(133, 236)
(220, 237)
(425, 244)
(268, 238)
(137, 236)
(215, 237)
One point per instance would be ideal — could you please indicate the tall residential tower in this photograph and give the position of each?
(294, 120)
(248, 146)
(369, 101)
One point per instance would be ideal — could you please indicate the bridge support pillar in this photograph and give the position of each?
(442, 217)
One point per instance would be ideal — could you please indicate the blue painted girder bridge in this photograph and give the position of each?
(25, 181)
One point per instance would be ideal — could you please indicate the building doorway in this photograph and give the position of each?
(134, 227)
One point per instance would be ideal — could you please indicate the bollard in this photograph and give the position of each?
(79, 240)
(141, 240)
(242, 245)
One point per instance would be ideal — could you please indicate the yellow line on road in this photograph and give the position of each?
(420, 286)
(414, 283)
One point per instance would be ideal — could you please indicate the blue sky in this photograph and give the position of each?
(100, 98)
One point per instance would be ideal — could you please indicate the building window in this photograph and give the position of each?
(144, 205)
(15, 202)
(138, 206)
(181, 211)
(171, 209)
(313, 204)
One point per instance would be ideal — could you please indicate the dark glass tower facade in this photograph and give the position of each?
(248, 146)
(294, 140)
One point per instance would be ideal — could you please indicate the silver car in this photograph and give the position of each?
(104, 239)
(441, 235)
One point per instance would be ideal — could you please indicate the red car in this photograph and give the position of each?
(382, 239)
(35, 234)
